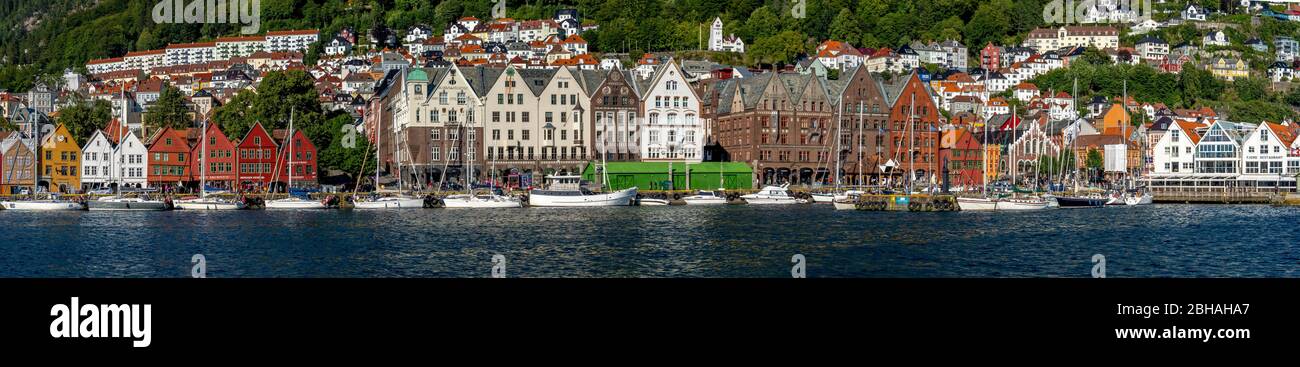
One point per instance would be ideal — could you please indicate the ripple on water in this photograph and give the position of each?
(725, 241)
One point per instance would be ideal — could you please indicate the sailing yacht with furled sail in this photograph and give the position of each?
(203, 202)
(470, 200)
(294, 202)
(53, 203)
(118, 202)
(399, 201)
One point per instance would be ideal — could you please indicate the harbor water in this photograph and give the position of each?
(706, 241)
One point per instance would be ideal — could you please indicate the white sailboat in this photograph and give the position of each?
(119, 202)
(399, 201)
(53, 203)
(293, 202)
(203, 202)
(848, 200)
(489, 200)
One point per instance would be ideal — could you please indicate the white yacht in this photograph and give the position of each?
(41, 205)
(485, 201)
(773, 195)
(652, 202)
(201, 203)
(389, 202)
(118, 203)
(705, 198)
(296, 203)
(977, 204)
(1138, 199)
(566, 191)
(1021, 204)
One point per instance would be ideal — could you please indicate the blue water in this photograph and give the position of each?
(724, 241)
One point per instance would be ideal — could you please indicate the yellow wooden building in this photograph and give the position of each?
(60, 162)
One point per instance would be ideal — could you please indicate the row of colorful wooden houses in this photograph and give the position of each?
(167, 159)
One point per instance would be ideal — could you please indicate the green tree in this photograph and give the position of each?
(991, 22)
(1094, 162)
(5, 125)
(1093, 56)
(845, 27)
(780, 48)
(347, 150)
(83, 117)
(168, 111)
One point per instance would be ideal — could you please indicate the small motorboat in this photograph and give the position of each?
(652, 202)
(773, 195)
(705, 198)
(566, 191)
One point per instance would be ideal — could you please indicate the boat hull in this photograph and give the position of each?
(618, 198)
(772, 201)
(480, 203)
(404, 203)
(42, 205)
(705, 200)
(1004, 205)
(209, 205)
(825, 198)
(295, 204)
(127, 206)
(1139, 200)
(1069, 202)
(977, 204)
(653, 202)
(845, 205)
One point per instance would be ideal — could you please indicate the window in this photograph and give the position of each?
(442, 98)
(523, 135)
(433, 116)
(435, 152)
(435, 135)
(496, 134)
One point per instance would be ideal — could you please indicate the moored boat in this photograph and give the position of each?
(296, 203)
(114, 203)
(487, 201)
(705, 198)
(652, 202)
(209, 204)
(565, 191)
(390, 202)
(773, 195)
(1066, 202)
(968, 204)
(41, 205)
(1138, 199)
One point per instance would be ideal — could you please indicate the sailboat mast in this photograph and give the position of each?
(290, 157)
(839, 131)
(858, 142)
(203, 161)
(911, 144)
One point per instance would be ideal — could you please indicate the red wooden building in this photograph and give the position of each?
(961, 154)
(220, 160)
(169, 158)
(303, 165)
(914, 131)
(256, 159)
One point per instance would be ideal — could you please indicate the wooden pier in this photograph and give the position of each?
(1220, 197)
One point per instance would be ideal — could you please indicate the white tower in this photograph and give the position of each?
(715, 35)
